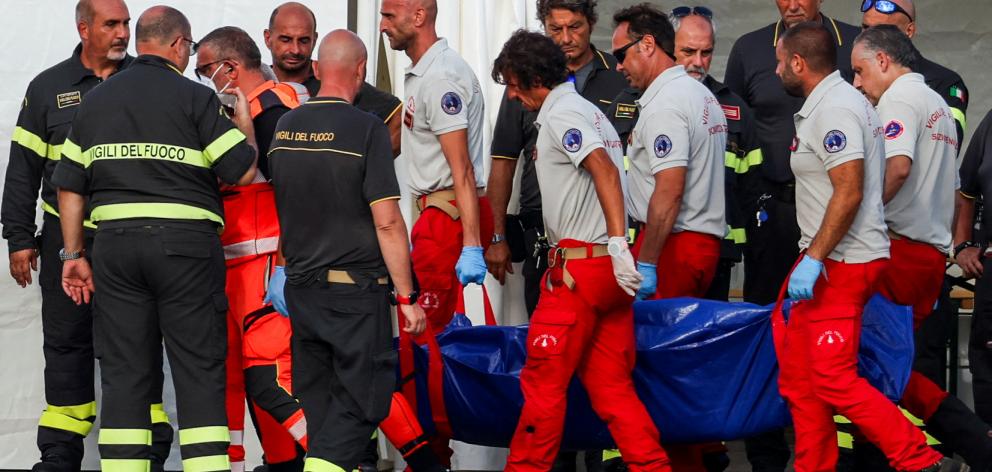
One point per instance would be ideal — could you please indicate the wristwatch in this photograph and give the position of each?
(405, 300)
(69, 256)
(498, 238)
(960, 247)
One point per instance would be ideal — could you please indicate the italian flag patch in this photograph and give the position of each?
(958, 93)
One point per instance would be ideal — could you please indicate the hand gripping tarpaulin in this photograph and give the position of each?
(705, 370)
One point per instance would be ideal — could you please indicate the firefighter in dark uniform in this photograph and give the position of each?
(149, 164)
(343, 239)
(772, 231)
(521, 237)
(46, 113)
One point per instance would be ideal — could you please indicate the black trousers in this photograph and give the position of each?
(154, 283)
(344, 367)
(67, 332)
(769, 254)
(980, 345)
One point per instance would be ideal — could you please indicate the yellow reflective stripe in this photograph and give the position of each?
(34, 143)
(743, 164)
(125, 437)
(125, 465)
(730, 160)
(610, 454)
(178, 211)
(919, 423)
(80, 412)
(737, 235)
(207, 463)
(841, 420)
(959, 116)
(52, 211)
(158, 414)
(314, 464)
(626, 164)
(62, 422)
(204, 434)
(223, 144)
(375, 434)
(153, 151)
(72, 151)
(845, 440)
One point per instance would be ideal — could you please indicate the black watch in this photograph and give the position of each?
(961, 247)
(410, 299)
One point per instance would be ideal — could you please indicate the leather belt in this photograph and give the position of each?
(342, 277)
(441, 200)
(558, 256)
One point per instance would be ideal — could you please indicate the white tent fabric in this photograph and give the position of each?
(37, 35)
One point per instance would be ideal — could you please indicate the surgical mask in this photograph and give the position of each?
(226, 99)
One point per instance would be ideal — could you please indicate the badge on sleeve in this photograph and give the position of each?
(662, 146)
(572, 141)
(835, 141)
(894, 129)
(795, 144)
(451, 103)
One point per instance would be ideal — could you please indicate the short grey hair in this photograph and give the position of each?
(677, 22)
(84, 11)
(892, 41)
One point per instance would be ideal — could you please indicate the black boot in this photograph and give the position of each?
(161, 445)
(948, 465)
(960, 428)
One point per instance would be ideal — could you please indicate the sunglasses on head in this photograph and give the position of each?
(886, 7)
(682, 12)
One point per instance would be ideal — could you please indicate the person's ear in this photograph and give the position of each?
(316, 70)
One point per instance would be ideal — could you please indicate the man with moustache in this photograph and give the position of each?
(49, 105)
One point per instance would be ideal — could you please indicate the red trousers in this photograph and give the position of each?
(588, 330)
(687, 264)
(817, 353)
(914, 277)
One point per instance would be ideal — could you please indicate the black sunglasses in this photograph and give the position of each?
(201, 71)
(682, 12)
(886, 7)
(621, 53)
(193, 45)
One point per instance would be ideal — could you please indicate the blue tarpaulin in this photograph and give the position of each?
(705, 370)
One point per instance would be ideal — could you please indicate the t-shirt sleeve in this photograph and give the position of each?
(666, 136)
(446, 107)
(971, 163)
(837, 137)
(380, 175)
(72, 171)
(224, 146)
(508, 135)
(573, 135)
(901, 126)
(377, 102)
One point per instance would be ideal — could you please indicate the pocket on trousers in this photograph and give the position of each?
(383, 383)
(189, 247)
(548, 333)
(433, 286)
(218, 323)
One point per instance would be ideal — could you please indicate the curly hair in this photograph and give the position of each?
(533, 59)
(645, 19)
(585, 7)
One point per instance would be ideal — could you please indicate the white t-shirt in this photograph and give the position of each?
(837, 125)
(681, 124)
(918, 125)
(569, 129)
(442, 95)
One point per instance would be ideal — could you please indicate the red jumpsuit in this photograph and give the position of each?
(817, 353)
(588, 330)
(694, 255)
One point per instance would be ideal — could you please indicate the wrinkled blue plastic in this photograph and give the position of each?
(705, 370)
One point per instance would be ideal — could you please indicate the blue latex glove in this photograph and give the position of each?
(276, 293)
(471, 266)
(804, 277)
(650, 282)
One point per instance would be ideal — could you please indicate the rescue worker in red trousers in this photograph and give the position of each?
(920, 184)
(261, 362)
(49, 105)
(583, 323)
(838, 160)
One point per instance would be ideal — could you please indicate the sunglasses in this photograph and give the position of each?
(193, 45)
(682, 12)
(886, 7)
(621, 53)
(201, 71)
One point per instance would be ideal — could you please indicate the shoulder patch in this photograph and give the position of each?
(69, 99)
(835, 141)
(662, 146)
(731, 112)
(894, 129)
(626, 111)
(959, 93)
(572, 141)
(451, 103)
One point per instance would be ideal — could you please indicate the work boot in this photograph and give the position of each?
(960, 428)
(948, 465)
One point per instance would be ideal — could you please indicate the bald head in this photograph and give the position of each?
(340, 64)
(165, 32)
(293, 12)
(409, 24)
(905, 20)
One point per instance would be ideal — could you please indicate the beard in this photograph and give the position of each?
(117, 52)
(792, 85)
(696, 70)
(302, 64)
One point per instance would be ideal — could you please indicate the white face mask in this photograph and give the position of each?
(227, 100)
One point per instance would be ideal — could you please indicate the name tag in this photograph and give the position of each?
(626, 111)
(69, 99)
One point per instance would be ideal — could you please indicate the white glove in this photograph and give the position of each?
(624, 269)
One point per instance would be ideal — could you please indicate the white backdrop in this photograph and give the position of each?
(36, 34)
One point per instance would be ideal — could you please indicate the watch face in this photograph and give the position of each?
(614, 249)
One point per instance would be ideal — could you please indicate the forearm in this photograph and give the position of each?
(395, 249)
(467, 200)
(71, 207)
(663, 210)
(609, 191)
(499, 189)
(964, 220)
(841, 211)
(897, 170)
